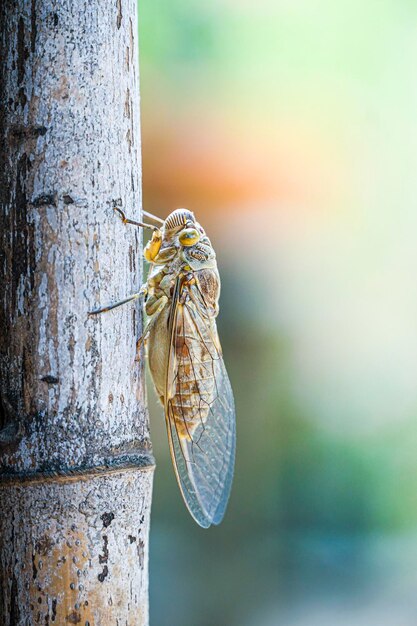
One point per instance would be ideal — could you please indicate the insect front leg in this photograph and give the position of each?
(126, 220)
(153, 217)
(153, 246)
(154, 306)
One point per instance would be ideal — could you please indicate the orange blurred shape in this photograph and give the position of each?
(219, 163)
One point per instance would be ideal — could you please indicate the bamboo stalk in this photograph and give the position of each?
(76, 463)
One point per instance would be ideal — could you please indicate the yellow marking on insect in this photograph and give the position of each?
(153, 246)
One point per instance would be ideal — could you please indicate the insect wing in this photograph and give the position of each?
(199, 410)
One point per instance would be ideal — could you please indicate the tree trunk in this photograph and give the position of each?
(75, 456)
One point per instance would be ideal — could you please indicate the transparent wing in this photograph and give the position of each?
(199, 411)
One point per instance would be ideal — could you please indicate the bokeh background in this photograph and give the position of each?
(289, 127)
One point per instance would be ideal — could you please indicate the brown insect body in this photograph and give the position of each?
(186, 364)
(194, 382)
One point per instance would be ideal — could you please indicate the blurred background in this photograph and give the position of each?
(288, 127)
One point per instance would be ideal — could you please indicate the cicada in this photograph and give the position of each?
(181, 302)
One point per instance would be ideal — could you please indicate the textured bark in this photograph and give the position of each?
(75, 456)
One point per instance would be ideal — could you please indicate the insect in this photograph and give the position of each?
(185, 360)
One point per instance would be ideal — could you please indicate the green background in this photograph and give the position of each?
(288, 127)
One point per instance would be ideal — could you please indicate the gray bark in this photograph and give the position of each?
(75, 455)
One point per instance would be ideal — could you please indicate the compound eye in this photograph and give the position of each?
(189, 236)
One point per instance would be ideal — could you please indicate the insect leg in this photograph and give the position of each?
(109, 307)
(153, 217)
(126, 220)
(153, 246)
(155, 314)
